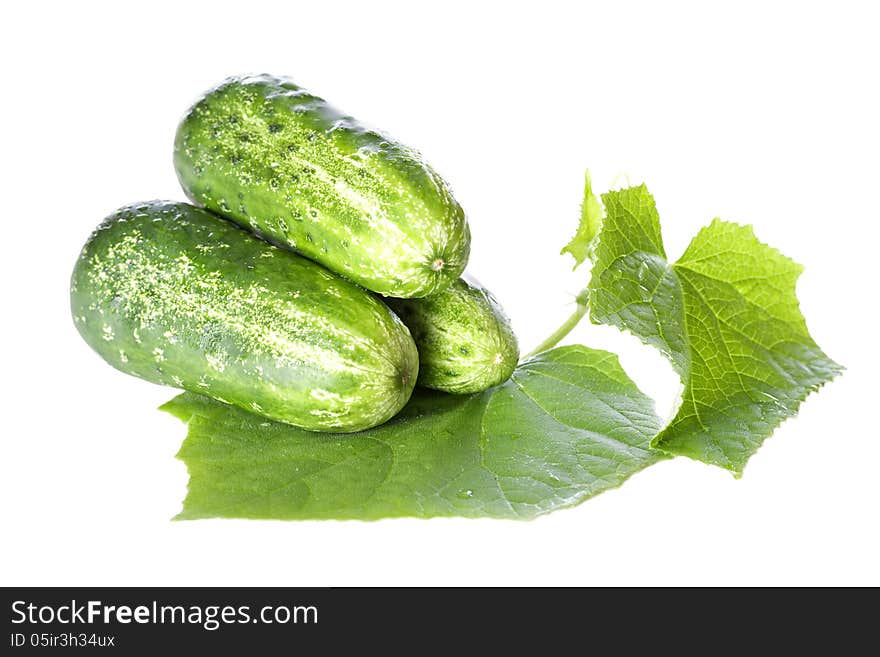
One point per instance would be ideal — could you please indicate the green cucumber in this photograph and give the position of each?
(285, 164)
(464, 339)
(172, 294)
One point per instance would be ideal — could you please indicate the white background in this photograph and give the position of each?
(762, 113)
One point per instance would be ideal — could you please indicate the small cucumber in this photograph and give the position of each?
(285, 164)
(464, 338)
(172, 294)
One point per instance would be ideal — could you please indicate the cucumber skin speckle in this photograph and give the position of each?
(172, 294)
(282, 162)
(464, 338)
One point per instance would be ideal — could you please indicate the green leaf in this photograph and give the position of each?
(581, 244)
(568, 425)
(725, 315)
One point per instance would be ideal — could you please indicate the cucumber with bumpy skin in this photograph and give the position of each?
(172, 294)
(464, 339)
(282, 162)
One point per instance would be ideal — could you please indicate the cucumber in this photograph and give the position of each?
(464, 339)
(172, 294)
(283, 163)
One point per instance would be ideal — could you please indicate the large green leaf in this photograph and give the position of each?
(568, 425)
(725, 315)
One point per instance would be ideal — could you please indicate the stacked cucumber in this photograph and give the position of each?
(316, 284)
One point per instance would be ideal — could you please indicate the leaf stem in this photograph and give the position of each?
(554, 338)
